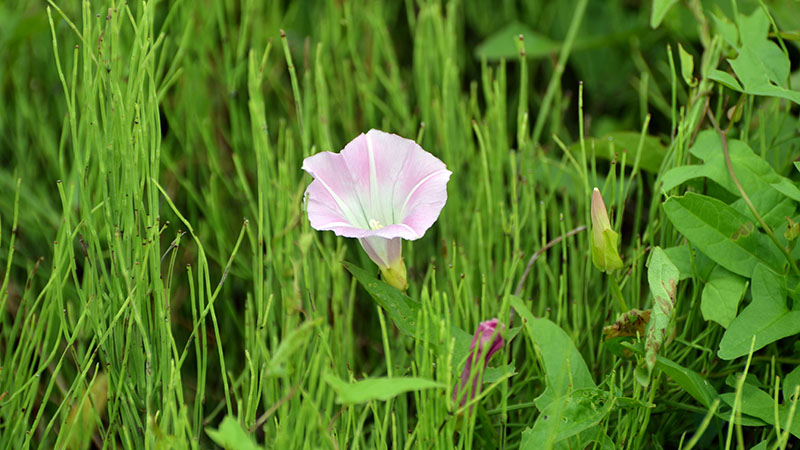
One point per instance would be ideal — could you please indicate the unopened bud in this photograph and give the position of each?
(605, 255)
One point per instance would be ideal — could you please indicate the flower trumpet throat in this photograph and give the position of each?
(605, 255)
(380, 189)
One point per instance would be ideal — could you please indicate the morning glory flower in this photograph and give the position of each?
(473, 370)
(381, 188)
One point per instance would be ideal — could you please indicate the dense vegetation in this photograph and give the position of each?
(161, 286)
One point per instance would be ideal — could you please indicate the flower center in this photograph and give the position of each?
(374, 224)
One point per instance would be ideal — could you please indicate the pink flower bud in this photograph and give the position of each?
(477, 360)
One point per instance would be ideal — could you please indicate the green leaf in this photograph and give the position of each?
(727, 29)
(687, 66)
(691, 382)
(791, 382)
(381, 389)
(775, 214)
(753, 30)
(727, 237)
(678, 175)
(721, 295)
(403, 311)
(653, 150)
(695, 385)
(564, 367)
(680, 255)
(494, 374)
(567, 416)
(662, 276)
(758, 403)
(725, 79)
(767, 317)
(682, 258)
(766, 189)
(400, 308)
(231, 436)
(503, 44)
(660, 9)
(761, 65)
(595, 440)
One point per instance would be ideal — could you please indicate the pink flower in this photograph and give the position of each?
(381, 188)
(482, 337)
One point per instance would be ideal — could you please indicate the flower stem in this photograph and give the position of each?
(617, 291)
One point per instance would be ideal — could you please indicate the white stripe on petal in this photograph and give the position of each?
(373, 178)
(414, 189)
(339, 202)
(409, 228)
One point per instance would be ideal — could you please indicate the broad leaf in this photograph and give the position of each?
(567, 416)
(403, 311)
(779, 207)
(377, 388)
(662, 276)
(721, 295)
(400, 308)
(790, 383)
(696, 386)
(727, 29)
(503, 44)
(660, 9)
(767, 317)
(564, 367)
(725, 79)
(726, 236)
(761, 65)
(758, 403)
(231, 436)
(494, 374)
(766, 189)
(688, 264)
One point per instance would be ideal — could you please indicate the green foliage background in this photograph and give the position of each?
(162, 286)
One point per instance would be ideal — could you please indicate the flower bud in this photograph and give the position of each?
(605, 255)
(473, 370)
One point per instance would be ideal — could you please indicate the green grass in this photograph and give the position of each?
(160, 274)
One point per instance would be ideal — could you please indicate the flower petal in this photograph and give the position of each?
(383, 252)
(411, 183)
(379, 185)
(332, 202)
